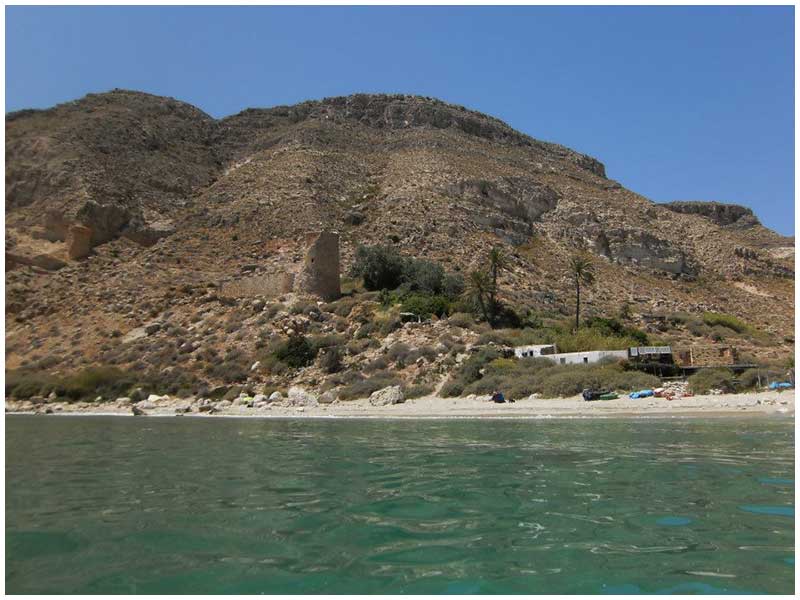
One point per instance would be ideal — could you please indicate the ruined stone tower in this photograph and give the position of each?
(320, 273)
(79, 241)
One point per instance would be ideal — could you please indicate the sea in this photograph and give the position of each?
(182, 505)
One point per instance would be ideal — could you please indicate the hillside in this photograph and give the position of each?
(181, 205)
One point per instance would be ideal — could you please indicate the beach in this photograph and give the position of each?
(722, 405)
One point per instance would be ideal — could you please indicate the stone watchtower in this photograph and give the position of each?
(320, 273)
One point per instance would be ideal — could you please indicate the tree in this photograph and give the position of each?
(479, 288)
(497, 262)
(581, 270)
(380, 266)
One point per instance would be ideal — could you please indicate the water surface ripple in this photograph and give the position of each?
(120, 505)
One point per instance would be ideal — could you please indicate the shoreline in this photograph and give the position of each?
(756, 404)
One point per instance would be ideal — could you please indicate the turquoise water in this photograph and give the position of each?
(121, 505)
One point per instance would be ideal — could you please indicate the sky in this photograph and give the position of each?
(679, 103)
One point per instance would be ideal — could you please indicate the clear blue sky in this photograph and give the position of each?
(680, 103)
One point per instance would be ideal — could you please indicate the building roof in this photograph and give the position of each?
(640, 350)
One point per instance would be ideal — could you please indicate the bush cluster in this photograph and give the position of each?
(706, 380)
(384, 268)
(728, 321)
(486, 372)
(295, 352)
(91, 382)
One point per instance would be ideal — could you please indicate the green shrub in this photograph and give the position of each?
(610, 327)
(398, 351)
(698, 329)
(424, 276)
(591, 339)
(273, 365)
(379, 364)
(25, 383)
(357, 346)
(709, 379)
(318, 342)
(381, 267)
(519, 378)
(711, 319)
(302, 307)
(452, 388)
(295, 352)
(331, 359)
(453, 285)
(678, 318)
(97, 381)
(752, 378)
(273, 309)
(229, 371)
(461, 319)
(342, 307)
(87, 383)
(419, 390)
(387, 326)
(469, 372)
(425, 306)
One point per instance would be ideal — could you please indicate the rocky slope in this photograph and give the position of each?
(180, 204)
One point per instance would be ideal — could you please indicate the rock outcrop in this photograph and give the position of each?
(387, 396)
(722, 214)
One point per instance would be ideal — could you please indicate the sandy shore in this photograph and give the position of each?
(730, 405)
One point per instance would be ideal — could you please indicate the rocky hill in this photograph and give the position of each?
(178, 205)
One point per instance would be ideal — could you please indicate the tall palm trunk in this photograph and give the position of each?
(577, 303)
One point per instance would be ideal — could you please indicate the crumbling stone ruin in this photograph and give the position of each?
(79, 242)
(320, 274)
(708, 356)
(267, 286)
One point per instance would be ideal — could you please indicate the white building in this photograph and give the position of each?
(568, 358)
(534, 351)
(586, 358)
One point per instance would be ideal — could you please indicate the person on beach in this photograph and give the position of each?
(499, 398)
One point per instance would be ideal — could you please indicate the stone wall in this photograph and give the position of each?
(268, 286)
(319, 274)
(707, 356)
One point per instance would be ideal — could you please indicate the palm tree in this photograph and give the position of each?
(480, 289)
(497, 262)
(582, 270)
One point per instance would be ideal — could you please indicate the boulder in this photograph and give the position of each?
(388, 395)
(104, 220)
(327, 397)
(152, 328)
(259, 398)
(275, 397)
(147, 234)
(300, 397)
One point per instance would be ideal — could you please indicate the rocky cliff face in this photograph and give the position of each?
(178, 202)
(722, 214)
